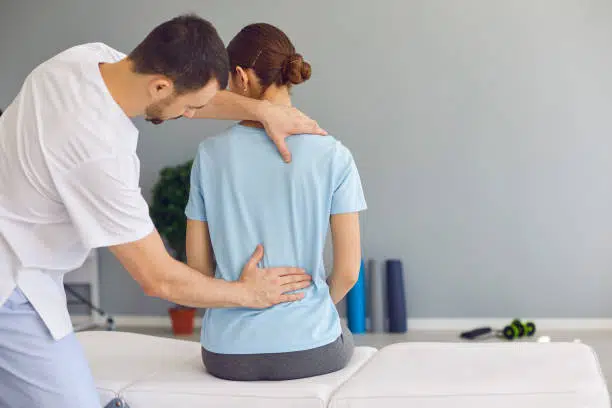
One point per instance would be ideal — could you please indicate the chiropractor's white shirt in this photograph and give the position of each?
(69, 179)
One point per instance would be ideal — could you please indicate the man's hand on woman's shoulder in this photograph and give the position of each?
(281, 122)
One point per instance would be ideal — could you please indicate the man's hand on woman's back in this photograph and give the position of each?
(265, 287)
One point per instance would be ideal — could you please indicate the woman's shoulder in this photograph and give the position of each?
(217, 139)
(315, 141)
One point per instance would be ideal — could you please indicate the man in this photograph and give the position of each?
(69, 179)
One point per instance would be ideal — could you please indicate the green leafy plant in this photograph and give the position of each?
(167, 209)
(170, 196)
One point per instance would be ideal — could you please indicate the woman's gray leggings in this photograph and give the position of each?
(282, 366)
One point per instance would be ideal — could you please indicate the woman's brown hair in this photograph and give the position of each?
(269, 52)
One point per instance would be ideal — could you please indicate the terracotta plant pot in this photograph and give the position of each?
(182, 320)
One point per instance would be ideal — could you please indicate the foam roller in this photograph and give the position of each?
(376, 298)
(356, 304)
(396, 297)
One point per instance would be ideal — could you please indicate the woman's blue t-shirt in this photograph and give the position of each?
(245, 192)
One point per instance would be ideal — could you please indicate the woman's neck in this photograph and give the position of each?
(277, 96)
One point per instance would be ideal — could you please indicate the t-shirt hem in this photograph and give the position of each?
(196, 218)
(6, 291)
(302, 347)
(348, 210)
(122, 239)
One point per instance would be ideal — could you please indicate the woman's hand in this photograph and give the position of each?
(265, 287)
(281, 122)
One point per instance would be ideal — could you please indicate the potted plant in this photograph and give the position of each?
(170, 196)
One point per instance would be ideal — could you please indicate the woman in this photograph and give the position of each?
(243, 195)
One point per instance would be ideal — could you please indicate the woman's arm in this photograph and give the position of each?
(346, 243)
(200, 255)
(279, 121)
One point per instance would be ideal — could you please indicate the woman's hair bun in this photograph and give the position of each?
(295, 70)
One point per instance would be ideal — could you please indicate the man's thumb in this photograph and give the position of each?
(284, 150)
(256, 257)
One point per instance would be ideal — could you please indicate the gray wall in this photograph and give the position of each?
(482, 129)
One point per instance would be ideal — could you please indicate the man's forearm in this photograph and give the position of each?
(162, 276)
(187, 286)
(227, 105)
(148, 262)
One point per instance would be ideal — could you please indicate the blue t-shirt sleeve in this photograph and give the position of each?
(348, 193)
(196, 207)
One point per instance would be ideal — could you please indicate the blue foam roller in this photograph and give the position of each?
(356, 304)
(396, 297)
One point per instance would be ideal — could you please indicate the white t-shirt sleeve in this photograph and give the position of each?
(104, 201)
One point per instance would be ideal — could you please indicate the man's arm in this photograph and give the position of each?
(162, 276)
(279, 121)
(200, 255)
(107, 208)
(227, 105)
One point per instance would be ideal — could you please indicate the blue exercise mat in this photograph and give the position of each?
(396, 297)
(356, 304)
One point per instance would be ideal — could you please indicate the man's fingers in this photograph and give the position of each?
(256, 257)
(309, 126)
(289, 270)
(291, 297)
(316, 129)
(281, 145)
(292, 287)
(289, 279)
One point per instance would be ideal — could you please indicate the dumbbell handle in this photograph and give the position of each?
(472, 334)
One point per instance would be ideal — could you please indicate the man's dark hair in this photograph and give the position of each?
(187, 50)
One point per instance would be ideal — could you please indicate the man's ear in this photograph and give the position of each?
(160, 88)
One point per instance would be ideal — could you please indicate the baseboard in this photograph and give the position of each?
(419, 324)
(499, 323)
(132, 321)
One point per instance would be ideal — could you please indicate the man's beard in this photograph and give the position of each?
(155, 121)
(155, 112)
(158, 121)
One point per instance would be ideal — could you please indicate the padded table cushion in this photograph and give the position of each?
(119, 359)
(477, 375)
(150, 372)
(187, 385)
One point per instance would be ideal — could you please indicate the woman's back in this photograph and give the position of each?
(249, 196)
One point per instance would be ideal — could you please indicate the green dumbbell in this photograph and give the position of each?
(530, 329)
(510, 332)
(519, 326)
(523, 329)
(516, 329)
